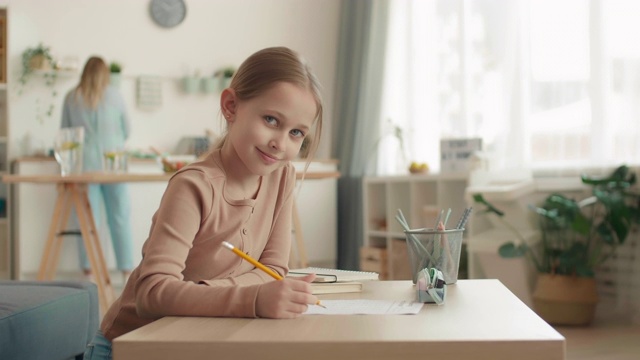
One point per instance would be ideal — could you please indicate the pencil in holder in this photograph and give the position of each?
(440, 249)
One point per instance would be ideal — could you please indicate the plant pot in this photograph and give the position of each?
(39, 62)
(565, 300)
(190, 84)
(115, 79)
(223, 83)
(208, 85)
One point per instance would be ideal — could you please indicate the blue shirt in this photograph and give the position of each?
(106, 128)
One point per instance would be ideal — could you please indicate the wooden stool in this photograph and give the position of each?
(74, 195)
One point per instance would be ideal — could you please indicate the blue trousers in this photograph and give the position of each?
(117, 206)
(99, 348)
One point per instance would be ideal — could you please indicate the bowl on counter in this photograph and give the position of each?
(173, 163)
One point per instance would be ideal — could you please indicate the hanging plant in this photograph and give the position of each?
(224, 76)
(37, 58)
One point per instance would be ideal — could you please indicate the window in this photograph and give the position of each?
(546, 84)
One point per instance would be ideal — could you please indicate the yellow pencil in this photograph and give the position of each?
(256, 263)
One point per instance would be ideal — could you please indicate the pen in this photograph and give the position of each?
(256, 263)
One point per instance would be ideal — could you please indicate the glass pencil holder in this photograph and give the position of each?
(440, 249)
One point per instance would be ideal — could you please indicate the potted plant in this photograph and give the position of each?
(115, 69)
(224, 77)
(577, 237)
(39, 58)
(36, 58)
(191, 83)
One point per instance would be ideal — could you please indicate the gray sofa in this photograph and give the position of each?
(51, 320)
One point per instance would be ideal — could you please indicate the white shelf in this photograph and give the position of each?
(506, 191)
(61, 73)
(419, 197)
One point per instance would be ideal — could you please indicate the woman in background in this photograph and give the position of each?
(100, 110)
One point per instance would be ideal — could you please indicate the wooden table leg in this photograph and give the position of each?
(64, 219)
(102, 262)
(92, 245)
(62, 206)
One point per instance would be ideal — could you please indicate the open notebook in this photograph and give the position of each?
(324, 275)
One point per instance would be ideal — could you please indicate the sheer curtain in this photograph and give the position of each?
(546, 84)
(552, 86)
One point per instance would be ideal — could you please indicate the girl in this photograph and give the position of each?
(100, 110)
(241, 192)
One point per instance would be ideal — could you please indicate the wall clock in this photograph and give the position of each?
(168, 13)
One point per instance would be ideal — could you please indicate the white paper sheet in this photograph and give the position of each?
(365, 307)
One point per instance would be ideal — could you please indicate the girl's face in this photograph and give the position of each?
(267, 131)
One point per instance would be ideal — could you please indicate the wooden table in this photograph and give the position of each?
(481, 319)
(72, 193)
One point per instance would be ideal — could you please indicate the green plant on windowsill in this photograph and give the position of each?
(577, 237)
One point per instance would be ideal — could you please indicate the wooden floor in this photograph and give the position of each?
(602, 342)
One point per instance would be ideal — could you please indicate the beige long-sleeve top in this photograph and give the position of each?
(184, 269)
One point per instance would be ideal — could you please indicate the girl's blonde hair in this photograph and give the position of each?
(93, 82)
(260, 71)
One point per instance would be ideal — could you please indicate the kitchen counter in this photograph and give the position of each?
(33, 205)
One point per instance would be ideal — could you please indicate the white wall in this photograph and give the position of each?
(214, 34)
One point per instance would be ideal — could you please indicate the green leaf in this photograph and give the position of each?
(584, 270)
(619, 176)
(605, 234)
(510, 250)
(490, 208)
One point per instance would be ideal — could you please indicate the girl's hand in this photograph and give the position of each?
(285, 299)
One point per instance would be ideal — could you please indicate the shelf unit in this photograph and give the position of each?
(420, 197)
(5, 243)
